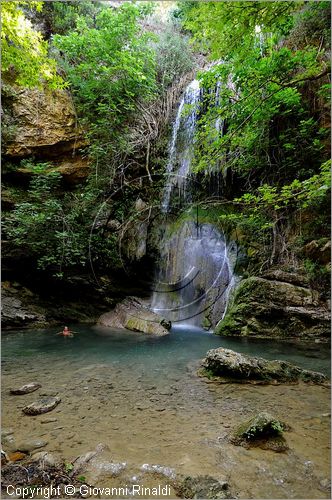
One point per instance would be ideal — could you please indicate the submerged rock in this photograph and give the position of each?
(202, 487)
(82, 461)
(45, 458)
(263, 430)
(26, 388)
(43, 405)
(31, 444)
(133, 314)
(232, 366)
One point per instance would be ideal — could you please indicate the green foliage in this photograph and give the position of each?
(173, 56)
(24, 52)
(109, 67)
(229, 30)
(58, 231)
(319, 277)
(299, 194)
(62, 17)
(69, 467)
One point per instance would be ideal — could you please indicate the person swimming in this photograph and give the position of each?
(66, 332)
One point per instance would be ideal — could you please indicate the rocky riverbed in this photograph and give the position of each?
(159, 422)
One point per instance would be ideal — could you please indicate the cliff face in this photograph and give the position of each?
(43, 125)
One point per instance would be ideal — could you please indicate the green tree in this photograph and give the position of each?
(25, 58)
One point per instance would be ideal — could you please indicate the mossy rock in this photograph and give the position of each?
(270, 308)
(263, 431)
(230, 366)
(201, 487)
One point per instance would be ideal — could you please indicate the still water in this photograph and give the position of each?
(142, 399)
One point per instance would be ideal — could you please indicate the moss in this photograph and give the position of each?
(263, 431)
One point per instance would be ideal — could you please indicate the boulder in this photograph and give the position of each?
(262, 430)
(43, 405)
(26, 389)
(133, 314)
(18, 309)
(202, 487)
(264, 307)
(231, 366)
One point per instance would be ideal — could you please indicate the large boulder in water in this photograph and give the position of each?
(231, 366)
(278, 305)
(133, 314)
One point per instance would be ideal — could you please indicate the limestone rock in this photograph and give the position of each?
(43, 405)
(133, 314)
(30, 445)
(16, 456)
(272, 308)
(318, 250)
(26, 389)
(17, 308)
(202, 487)
(45, 458)
(81, 462)
(287, 277)
(45, 123)
(235, 367)
(9, 443)
(262, 430)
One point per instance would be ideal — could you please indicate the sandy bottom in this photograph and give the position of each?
(180, 422)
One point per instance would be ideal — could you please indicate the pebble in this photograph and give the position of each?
(16, 456)
(45, 457)
(48, 420)
(26, 388)
(9, 443)
(43, 405)
(6, 432)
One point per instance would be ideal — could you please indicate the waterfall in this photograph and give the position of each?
(195, 274)
(181, 146)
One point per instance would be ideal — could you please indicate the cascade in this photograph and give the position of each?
(195, 274)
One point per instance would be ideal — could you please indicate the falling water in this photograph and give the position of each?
(195, 274)
(181, 146)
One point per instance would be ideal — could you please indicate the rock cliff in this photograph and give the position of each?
(280, 304)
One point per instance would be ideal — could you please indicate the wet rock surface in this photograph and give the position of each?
(280, 304)
(43, 405)
(232, 366)
(133, 314)
(263, 430)
(202, 487)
